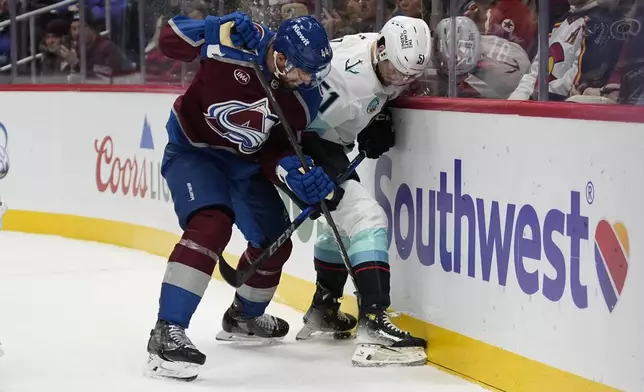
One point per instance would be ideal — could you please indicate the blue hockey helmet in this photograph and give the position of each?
(304, 42)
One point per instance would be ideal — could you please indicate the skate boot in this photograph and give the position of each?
(172, 354)
(325, 315)
(237, 327)
(380, 343)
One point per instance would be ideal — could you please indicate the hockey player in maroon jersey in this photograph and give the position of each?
(225, 147)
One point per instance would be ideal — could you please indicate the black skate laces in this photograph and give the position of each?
(178, 335)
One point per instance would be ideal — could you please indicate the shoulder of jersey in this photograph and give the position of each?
(352, 64)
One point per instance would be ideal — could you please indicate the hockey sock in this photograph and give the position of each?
(191, 264)
(373, 280)
(258, 291)
(331, 276)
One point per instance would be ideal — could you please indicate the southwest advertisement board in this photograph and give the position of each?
(518, 233)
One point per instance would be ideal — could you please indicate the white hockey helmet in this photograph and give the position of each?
(468, 44)
(407, 45)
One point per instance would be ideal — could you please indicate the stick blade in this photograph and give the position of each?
(229, 274)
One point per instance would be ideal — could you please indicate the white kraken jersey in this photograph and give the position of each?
(503, 63)
(352, 93)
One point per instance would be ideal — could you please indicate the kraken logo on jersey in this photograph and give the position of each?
(247, 125)
(373, 105)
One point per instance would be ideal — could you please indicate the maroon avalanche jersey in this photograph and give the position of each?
(226, 107)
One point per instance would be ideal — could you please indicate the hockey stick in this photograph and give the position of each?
(298, 151)
(236, 278)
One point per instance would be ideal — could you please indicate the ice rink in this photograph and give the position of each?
(75, 316)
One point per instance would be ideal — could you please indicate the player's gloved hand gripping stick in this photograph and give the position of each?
(236, 278)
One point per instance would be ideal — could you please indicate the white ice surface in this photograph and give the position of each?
(75, 316)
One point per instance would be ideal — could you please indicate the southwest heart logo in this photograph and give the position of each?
(611, 260)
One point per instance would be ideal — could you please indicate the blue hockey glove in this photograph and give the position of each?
(244, 33)
(311, 187)
(211, 30)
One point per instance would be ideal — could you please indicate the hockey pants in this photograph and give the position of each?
(362, 224)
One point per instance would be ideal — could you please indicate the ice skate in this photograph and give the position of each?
(324, 315)
(172, 354)
(238, 328)
(380, 343)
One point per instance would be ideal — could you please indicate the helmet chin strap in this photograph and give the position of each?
(378, 55)
(375, 59)
(277, 71)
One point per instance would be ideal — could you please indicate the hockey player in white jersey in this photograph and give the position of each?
(487, 66)
(368, 70)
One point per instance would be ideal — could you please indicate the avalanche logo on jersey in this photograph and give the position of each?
(247, 125)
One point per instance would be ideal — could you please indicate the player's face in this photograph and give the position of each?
(390, 76)
(292, 78)
(297, 77)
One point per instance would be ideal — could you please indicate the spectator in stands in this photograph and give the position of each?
(412, 8)
(58, 55)
(361, 16)
(104, 58)
(293, 10)
(196, 9)
(508, 19)
(97, 9)
(333, 23)
(582, 53)
(630, 73)
(626, 83)
(508, 29)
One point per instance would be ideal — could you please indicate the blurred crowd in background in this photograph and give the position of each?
(595, 48)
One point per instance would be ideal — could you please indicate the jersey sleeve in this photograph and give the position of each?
(184, 39)
(181, 39)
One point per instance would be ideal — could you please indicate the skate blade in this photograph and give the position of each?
(246, 340)
(309, 332)
(180, 371)
(375, 355)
